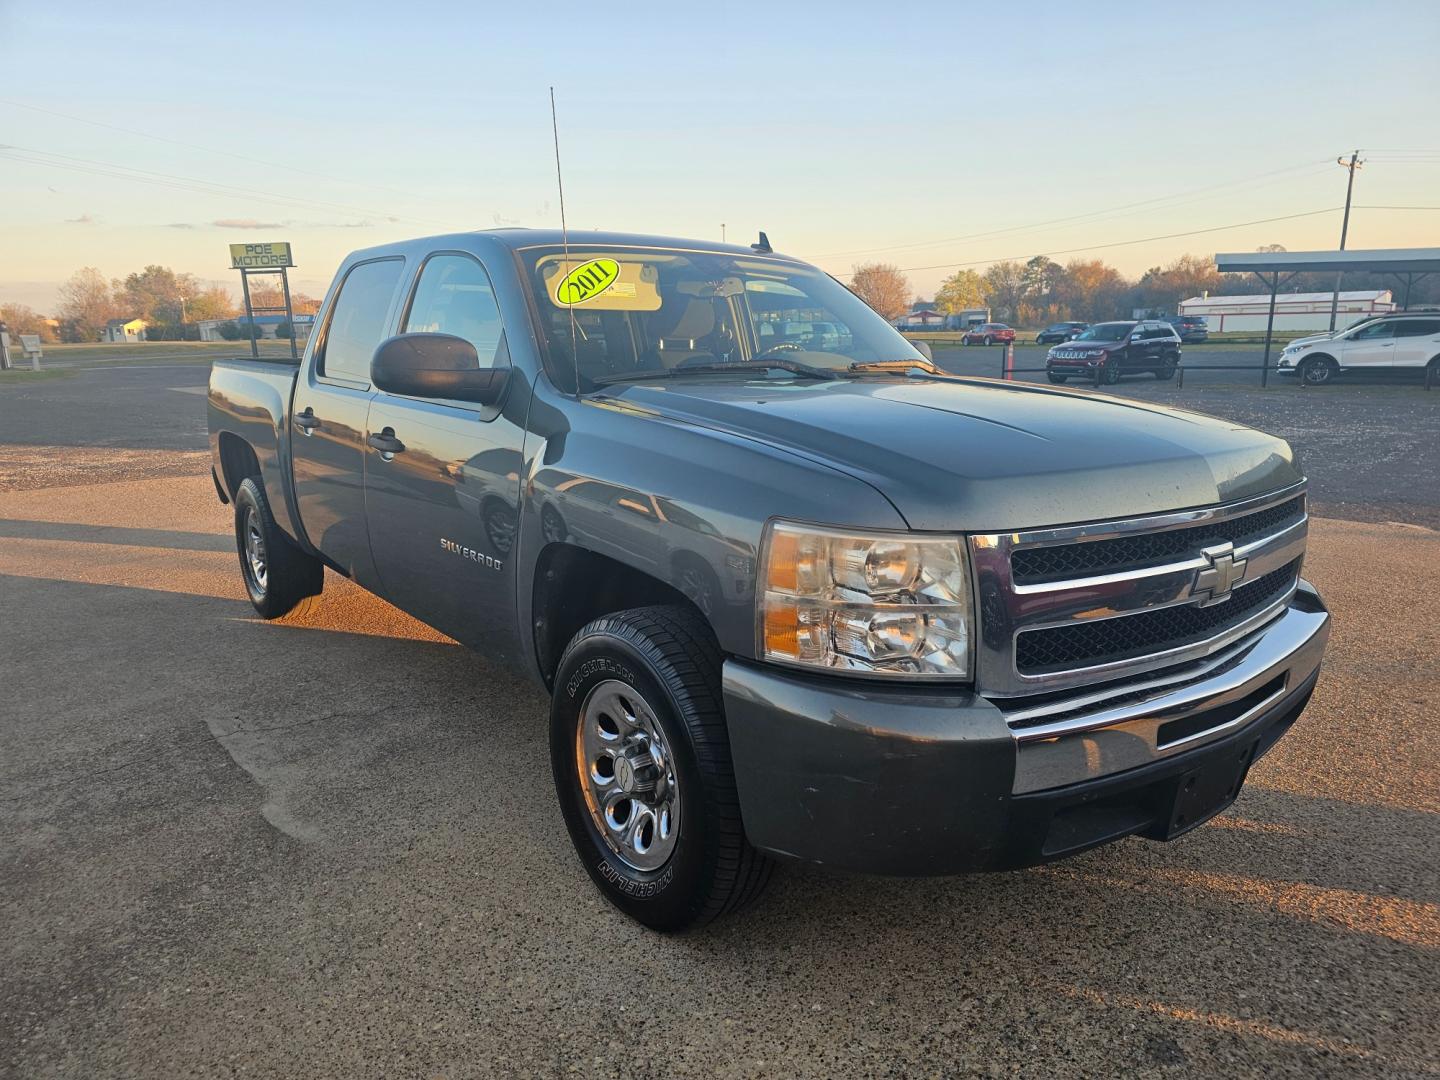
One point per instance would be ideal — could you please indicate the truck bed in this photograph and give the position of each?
(248, 413)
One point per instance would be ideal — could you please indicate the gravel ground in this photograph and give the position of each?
(329, 847)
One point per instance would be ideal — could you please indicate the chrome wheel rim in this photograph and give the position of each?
(255, 550)
(627, 775)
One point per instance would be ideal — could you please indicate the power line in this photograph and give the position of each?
(1182, 195)
(1125, 243)
(49, 159)
(206, 149)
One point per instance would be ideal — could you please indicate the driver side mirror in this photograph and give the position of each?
(435, 366)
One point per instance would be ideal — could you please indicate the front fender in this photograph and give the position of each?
(665, 497)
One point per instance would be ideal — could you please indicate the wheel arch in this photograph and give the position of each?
(238, 461)
(574, 585)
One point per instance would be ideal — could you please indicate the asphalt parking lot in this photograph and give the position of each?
(328, 846)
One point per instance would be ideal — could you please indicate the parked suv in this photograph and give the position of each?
(1190, 328)
(988, 334)
(1060, 331)
(1114, 349)
(1387, 343)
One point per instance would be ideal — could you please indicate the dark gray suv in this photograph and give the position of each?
(1107, 351)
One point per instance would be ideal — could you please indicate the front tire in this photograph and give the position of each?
(1110, 373)
(279, 576)
(1318, 370)
(641, 761)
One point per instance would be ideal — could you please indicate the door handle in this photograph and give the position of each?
(386, 443)
(307, 421)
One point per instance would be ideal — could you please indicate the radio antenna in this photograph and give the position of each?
(565, 243)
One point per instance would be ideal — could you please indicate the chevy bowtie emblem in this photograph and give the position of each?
(1214, 582)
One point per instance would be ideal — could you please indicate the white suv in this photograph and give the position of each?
(1386, 343)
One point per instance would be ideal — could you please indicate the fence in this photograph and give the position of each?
(1095, 374)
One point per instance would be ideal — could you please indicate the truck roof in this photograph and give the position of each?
(517, 239)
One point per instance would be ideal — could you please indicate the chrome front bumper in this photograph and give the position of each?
(1084, 735)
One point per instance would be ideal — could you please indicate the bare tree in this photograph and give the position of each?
(25, 320)
(883, 287)
(86, 304)
(1005, 288)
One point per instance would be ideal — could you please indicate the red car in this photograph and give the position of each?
(989, 333)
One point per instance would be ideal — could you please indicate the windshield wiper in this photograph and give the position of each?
(795, 367)
(897, 365)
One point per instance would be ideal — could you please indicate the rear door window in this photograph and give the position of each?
(358, 320)
(1417, 327)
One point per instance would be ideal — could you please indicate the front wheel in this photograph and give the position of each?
(1110, 373)
(279, 576)
(989, 341)
(1166, 372)
(1317, 371)
(641, 760)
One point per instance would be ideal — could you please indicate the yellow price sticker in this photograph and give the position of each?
(586, 281)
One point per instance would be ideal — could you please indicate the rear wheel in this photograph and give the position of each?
(279, 577)
(1318, 370)
(641, 759)
(1166, 372)
(989, 340)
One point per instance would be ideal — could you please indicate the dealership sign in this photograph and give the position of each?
(260, 256)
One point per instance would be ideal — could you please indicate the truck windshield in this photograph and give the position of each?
(1109, 331)
(639, 311)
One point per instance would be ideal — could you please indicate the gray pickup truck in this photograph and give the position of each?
(794, 594)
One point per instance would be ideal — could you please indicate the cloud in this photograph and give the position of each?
(83, 219)
(252, 223)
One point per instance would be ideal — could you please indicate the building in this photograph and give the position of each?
(123, 331)
(921, 316)
(266, 324)
(1293, 311)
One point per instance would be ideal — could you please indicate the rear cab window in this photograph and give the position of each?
(358, 319)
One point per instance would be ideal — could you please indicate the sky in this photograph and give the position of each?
(931, 136)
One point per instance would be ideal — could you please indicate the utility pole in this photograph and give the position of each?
(722, 232)
(1353, 164)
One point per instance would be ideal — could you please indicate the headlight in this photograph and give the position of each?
(872, 603)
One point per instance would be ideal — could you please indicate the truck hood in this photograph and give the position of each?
(985, 455)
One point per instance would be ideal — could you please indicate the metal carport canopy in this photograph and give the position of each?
(1274, 268)
(1381, 260)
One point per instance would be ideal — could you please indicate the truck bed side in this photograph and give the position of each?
(248, 414)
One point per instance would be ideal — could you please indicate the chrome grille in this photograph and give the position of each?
(1030, 565)
(1061, 608)
(1103, 641)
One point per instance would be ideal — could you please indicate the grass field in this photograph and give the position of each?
(164, 351)
(24, 375)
